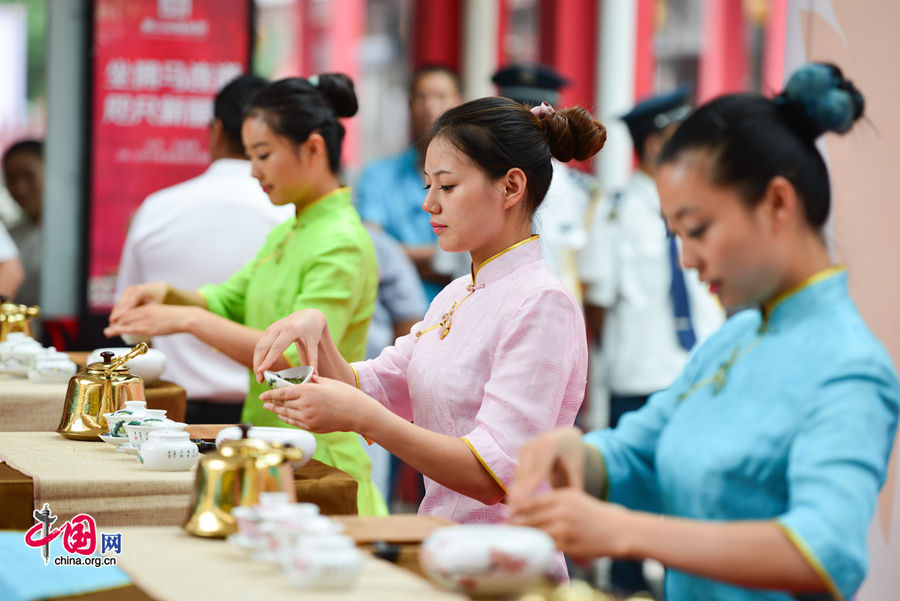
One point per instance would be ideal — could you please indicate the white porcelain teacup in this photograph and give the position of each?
(329, 561)
(138, 431)
(283, 534)
(289, 377)
(52, 368)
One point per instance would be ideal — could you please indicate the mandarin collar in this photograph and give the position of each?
(323, 205)
(506, 261)
(819, 290)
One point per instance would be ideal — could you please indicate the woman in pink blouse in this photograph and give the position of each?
(500, 356)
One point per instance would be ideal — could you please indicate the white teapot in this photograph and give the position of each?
(168, 450)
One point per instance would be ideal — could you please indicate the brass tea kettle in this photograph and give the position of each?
(16, 318)
(235, 475)
(100, 388)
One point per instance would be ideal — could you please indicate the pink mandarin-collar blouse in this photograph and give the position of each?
(498, 359)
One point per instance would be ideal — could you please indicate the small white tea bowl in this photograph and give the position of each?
(487, 559)
(289, 377)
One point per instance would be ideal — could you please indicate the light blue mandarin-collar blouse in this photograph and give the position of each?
(787, 415)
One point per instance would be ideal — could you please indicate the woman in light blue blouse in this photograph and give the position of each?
(755, 474)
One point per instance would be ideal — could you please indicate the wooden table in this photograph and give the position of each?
(100, 465)
(201, 568)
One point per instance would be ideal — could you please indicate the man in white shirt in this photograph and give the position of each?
(644, 326)
(200, 232)
(11, 272)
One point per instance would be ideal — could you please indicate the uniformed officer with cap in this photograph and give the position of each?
(530, 84)
(644, 312)
(560, 218)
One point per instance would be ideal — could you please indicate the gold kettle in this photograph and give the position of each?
(16, 318)
(235, 475)
(100, 388)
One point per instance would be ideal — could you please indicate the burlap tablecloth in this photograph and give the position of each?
(92, 477)
(169, 565)
(29, 407)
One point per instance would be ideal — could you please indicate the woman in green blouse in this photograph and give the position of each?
(322, 258)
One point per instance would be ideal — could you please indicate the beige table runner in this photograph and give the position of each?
(170, 565)
(29, 407)
(92, 477)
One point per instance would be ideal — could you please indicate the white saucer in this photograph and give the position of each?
(239, 540)
(129, 448)
(114, 440)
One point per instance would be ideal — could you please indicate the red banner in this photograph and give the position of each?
(157, 67)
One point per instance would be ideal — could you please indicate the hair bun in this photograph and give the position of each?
(573, 133)
(819, 96)
(339, 91)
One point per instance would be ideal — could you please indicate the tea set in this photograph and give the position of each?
(309, 547)
(21, 355)
(245, 490)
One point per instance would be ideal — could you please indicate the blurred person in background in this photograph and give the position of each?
(399, 304)
(11, 272)
(201, 231)
(320, 258)
(755, 475)
(644, 312)
(23, 174)
(389, 192)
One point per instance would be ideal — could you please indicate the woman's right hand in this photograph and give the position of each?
(557, 456)
(135, 296)
(305, 327)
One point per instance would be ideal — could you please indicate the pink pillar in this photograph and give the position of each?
(502, 31)
(774, 52)
(644, 55)
(569, 44)
(329, 37)
(723, 59)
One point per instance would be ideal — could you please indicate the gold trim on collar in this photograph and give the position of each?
(304, 208)
(474, 271)
(771, 305)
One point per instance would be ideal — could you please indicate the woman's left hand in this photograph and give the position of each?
(322, 405)
(580, 525)
(153, 320)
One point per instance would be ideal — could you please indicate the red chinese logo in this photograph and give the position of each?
(79, 535)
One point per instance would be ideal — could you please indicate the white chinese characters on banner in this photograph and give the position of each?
(152, 75)
(123, 106)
